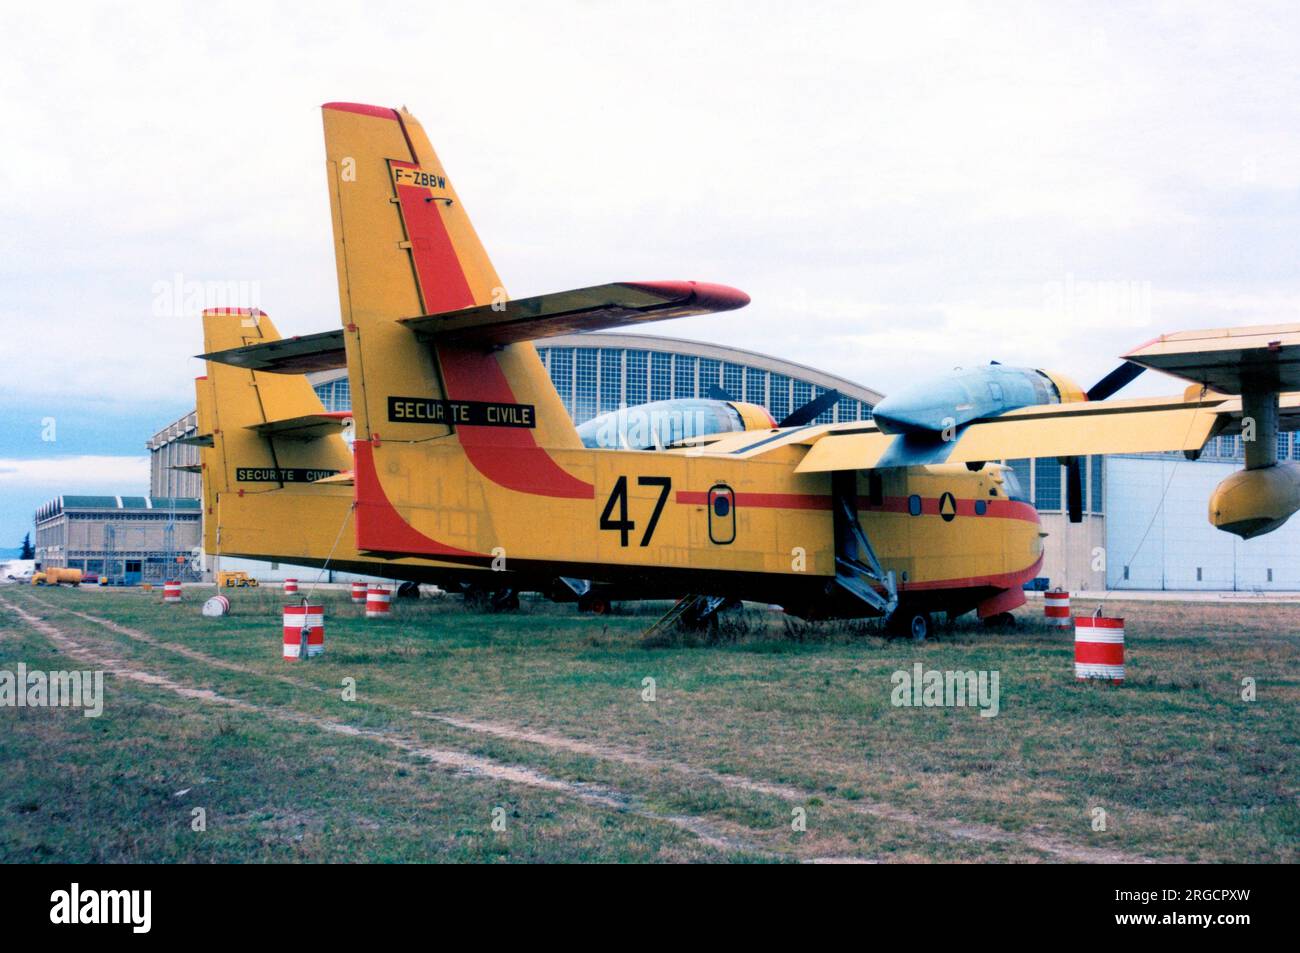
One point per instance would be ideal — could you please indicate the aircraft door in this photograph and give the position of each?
(722, 514)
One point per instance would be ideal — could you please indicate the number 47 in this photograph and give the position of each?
(619, 498)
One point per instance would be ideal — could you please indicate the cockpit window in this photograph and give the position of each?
(1011, 484)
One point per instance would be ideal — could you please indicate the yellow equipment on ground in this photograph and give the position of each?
(235, 579)
(57, 576)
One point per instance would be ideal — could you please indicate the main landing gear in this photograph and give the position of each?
(916, 626)
(857, 570)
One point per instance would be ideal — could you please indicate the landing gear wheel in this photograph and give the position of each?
(595, 604)
(505, 600)
(918, 626)
(914, 625)
(1002, 620)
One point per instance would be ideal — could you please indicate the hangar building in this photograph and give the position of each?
(129, 539)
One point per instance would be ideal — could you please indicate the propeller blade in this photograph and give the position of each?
(717, 393)
(811, 410)
(1074, 488)
(1116, 380)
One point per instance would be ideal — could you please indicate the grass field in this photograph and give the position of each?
(537, 723)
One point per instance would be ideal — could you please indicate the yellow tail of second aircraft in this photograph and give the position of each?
(272, 442)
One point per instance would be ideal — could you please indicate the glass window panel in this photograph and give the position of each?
(584, 385)
(637, 364)
(1097, 493)
(611, 379)
(779, 401)
(661, 369)
(561, 371)
(710, 375)
(1047, 483)
(733, 381)
(683, 375)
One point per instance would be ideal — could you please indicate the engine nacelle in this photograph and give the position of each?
(958, 397)
(1251, 503)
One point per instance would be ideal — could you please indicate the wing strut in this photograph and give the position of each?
(857, 570)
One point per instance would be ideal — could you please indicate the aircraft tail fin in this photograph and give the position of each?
(271, 438)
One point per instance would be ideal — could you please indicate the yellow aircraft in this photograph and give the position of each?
(464, 455)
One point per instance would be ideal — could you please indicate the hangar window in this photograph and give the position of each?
(584, 385)
(637, 362)
(710, 375)
(1047, 483)
(661, 376)
(733, 380)
(561, 371)
(780, 400)
(1097, 466)
(611, 379)
(914, 505)
(684, 384)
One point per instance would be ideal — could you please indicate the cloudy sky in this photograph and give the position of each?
(900, 188)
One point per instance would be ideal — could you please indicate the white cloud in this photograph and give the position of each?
(906, 179)
(77, 474)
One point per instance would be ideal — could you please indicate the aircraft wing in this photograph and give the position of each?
(1140, 425)
(1228, 359)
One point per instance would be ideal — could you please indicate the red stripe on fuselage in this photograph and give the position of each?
(379, 526)
(508, 456)
(1002, 580)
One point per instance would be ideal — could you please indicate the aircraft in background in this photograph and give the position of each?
(465, 457)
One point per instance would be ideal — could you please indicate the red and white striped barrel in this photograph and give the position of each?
(291, 587)
(297, 618)
(172, 591)
(359, 593)
(1056, 608)
(377, 604)
(216, 607)
(1099, 648)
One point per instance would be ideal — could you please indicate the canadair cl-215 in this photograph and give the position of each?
(464, 459)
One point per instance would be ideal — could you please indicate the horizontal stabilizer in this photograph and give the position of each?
(1227, 359)
(188, 467)
(568, 312)
(201, 440)
(306, 427)
(296, 355)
